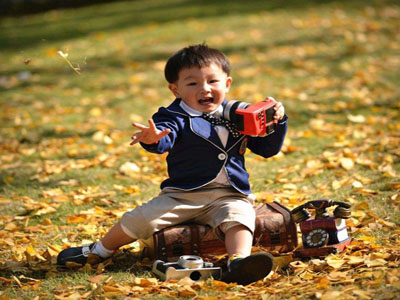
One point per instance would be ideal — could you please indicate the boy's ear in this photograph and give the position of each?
(174, 89)
(228, 83)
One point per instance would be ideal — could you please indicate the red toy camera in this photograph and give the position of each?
(252, 119)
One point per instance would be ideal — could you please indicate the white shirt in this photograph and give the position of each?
(223, 135)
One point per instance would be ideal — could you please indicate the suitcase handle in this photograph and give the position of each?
(287, 217)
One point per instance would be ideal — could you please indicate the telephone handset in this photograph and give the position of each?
(323, 230)
(342, 210)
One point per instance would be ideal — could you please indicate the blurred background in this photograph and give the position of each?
(75, 74)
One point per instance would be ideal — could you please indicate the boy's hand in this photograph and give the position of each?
(148, 135)
(279, 111)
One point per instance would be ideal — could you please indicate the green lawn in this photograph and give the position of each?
(64, 135)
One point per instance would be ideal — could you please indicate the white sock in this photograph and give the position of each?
(101, 251)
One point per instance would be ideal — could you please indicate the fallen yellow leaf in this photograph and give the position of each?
(332, 295)
(375, 262)
(334, 262)
(346, 163)
(144, 282)
(187, 291)
(355, 260)
(394, 185)
(96, 279)
(362, 294)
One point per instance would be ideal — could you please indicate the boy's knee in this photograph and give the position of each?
(135, 225)
(224, 227)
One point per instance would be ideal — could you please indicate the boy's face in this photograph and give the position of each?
(203, 89)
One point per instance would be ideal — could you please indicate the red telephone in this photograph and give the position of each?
(322, 234)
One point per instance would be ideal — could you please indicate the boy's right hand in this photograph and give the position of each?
(148, 135)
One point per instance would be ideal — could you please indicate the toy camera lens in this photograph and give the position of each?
(195, 275)
(230, 109)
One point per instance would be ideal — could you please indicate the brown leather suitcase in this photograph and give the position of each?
(275, 231)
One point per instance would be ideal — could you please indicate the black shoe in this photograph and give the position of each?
(249, 269)
(77, 255)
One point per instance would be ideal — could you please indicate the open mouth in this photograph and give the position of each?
(206, 100)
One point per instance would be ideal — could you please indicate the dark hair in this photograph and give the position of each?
(194, 56)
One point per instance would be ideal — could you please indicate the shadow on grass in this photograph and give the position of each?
(122, 262)
(23, 181)
(27, 7)
(52, 133)
(62, 25)
(111, 62)
(125, 261)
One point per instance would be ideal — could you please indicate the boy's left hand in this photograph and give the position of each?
(279, 111)
(148, 135)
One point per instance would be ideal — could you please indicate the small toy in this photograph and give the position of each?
(252, 119)
(190, 266)
(324, 234)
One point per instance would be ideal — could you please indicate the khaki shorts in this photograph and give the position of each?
(213, 205)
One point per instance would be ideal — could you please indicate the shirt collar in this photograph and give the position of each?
(195, 113)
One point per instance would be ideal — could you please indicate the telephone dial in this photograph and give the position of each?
(324, 233)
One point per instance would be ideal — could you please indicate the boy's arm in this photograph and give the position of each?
(270, 145)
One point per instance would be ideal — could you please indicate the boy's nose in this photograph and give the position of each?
(206, 87)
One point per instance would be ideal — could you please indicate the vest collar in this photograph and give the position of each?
(201, 127)
(182, 108)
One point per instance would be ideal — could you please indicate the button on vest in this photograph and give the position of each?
(221, 156)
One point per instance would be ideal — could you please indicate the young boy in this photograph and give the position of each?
(208, 182)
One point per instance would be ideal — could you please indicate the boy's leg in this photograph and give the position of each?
(167, 209)
(238, 240)
(105, 248)
(244, 268)
(116, 238)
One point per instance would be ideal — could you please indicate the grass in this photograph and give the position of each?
(334, 65)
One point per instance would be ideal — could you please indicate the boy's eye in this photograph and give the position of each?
(191, 83)
(214, 80)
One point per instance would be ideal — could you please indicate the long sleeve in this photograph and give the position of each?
(269, 145)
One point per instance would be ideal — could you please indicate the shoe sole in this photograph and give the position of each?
(254, 268)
